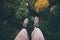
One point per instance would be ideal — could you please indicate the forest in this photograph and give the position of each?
(13, 12)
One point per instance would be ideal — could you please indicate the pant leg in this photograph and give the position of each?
(37, 34)
(22, 35)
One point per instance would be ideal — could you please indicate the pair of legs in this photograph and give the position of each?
(35, 35)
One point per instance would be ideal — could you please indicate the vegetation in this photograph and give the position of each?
(13, 12)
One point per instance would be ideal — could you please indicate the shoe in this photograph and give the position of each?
(25, 23)
(22, 35)
(36, 21)
(37, 34)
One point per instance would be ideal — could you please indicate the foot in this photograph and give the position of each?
(25, 23)
(36, 21)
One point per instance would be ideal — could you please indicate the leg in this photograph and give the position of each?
(23, 35)
(37, 34)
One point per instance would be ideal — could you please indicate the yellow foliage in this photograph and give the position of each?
(41, 4)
